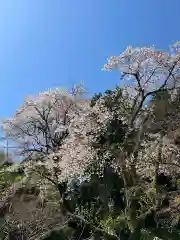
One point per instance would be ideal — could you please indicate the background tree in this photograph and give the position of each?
(42, 122)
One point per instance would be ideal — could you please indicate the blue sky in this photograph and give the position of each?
(46, 44)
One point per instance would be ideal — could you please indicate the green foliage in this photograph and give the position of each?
(114, 225)
(8, 177)
(95, 98)
(112, 99)
(2, 158)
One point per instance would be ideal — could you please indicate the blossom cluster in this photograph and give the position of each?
(152, 67)
(77, 152)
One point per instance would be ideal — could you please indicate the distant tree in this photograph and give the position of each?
(2, 158)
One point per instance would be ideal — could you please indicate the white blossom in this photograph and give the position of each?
(154, 68)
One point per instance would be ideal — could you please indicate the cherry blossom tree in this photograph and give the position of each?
(42, 121)
(146, 71)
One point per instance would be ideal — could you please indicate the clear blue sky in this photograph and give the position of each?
(50, 43)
